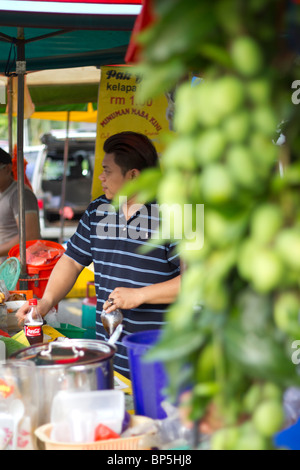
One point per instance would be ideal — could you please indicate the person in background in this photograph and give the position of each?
(142, 285)
(9, 209)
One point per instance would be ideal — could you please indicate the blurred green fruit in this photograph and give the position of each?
(217, 184)
(268, 418)
(266, 222)
(286, 311)
(267, 270)
(288, 246)
(247, 251)
(217, 228)
(207, 113)
(171, 189)
(172, 226)
(271, 391)
(194, 189)
(194, 251)
(251, 441)
(185, 117)
(228, 95)
(180, 154)
(220, 230)
(215, 296)
(225, 439)
(262, 146)
(205, 368)
(210, 146)
(246, 56)
(265, 120)
(252, 398)
(259, 90)
(237, 126)
(241, 166)
(220, 262)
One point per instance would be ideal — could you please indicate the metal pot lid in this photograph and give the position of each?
(69, 352)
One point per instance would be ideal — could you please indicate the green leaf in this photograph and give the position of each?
(174, 346)
(216, 54)
(260, 356)
(144, 187)
(207, 389)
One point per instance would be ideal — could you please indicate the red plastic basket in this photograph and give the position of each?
(38, 275)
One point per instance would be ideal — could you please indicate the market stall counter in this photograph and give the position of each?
(35, 376)
(32, 377)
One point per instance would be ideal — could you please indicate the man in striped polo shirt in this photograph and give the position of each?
(141, 284)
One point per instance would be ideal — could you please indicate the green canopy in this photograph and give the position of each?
(61, 35)
(81, 35)
(56, 48)
(61, 89)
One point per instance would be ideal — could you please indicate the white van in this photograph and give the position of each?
(48, 178)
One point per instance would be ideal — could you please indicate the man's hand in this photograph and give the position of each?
(127, 298)
(22, 312)
(43, 308)
(123, 298)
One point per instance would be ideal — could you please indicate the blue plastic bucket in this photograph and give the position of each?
(148, 378)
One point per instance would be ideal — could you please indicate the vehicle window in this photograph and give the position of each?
(79, 166)
(30, 156)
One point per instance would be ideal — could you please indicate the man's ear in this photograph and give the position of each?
(134, 173)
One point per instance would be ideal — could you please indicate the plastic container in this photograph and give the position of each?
(10, 272)
(43, 433)
(2, 352)
(13, 326)
(89, 305)
(71, 331)
(75, 415)
(148, 378)
(38, 275)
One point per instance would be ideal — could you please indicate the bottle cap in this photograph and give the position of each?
(32, 301)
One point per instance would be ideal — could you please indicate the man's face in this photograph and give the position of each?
(112, 178)
(5, 176)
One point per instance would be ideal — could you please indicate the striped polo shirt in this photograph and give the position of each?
(114, 245)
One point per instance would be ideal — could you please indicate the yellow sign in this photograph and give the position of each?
(119, 110)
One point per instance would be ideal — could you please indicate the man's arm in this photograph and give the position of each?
(61, 281)
(161, 293)
(32, 225)
(5, 247)
(127, 298)
(32, 232)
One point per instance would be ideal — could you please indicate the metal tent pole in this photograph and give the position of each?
(10, 119)
(64, 181)
(20, 71)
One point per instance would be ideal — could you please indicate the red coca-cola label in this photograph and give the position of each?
(35, 330)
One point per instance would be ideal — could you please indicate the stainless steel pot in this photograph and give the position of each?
(77, 364)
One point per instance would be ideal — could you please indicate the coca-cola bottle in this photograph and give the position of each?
(33, 324)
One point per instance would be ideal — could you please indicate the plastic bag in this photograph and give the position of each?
(291, 405)
(4, 289)
(3, 317)
(165, 433)
(52, 319)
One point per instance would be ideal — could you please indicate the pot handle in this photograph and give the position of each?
(48, 352)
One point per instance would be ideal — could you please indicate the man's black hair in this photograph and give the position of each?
(131, 150)
(4, 157)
